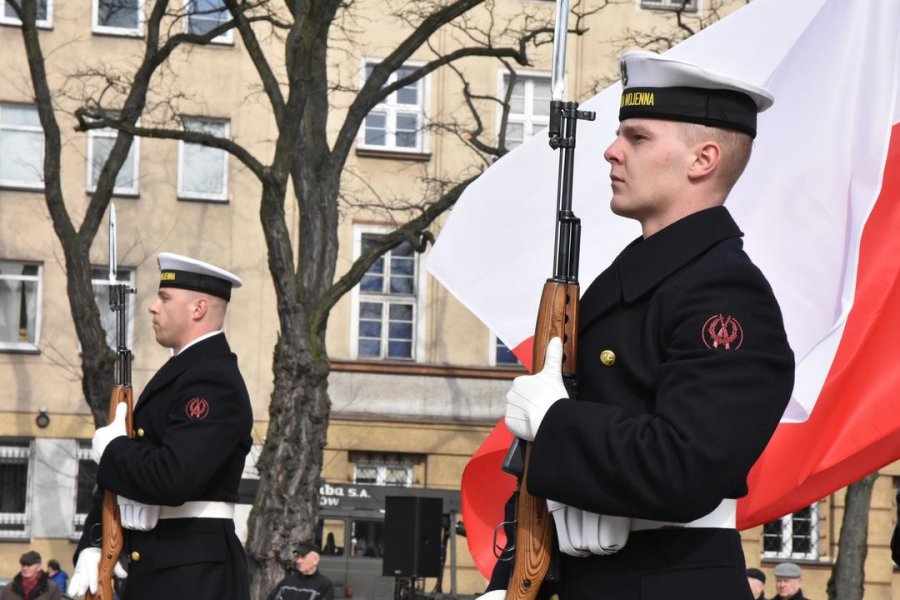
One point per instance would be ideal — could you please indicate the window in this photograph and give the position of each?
(44, 17)
(100, 285)
(529, 107)
(20, 301)
(203, 171)
(100, 143)
(119, 17)
(206, 15)
(21, 146)
(387, 469)
(15, 483)
(397, 123)
(366, 538)
(793, 536)
(688, 5)
(84, 486)
(502, 355)
(386, 307)
(332, 531)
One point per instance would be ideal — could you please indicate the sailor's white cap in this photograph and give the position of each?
(188, 273)
(659, 87)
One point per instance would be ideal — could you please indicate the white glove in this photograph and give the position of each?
(532, 395)
(582, 533)
(87, 573)
(137, 516)
(568, 521)
(104, 435)
(493, 595)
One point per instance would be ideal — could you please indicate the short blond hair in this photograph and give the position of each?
(735, 146)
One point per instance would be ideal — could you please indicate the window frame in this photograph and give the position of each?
(381, 469)
(787, 523)
(529, 121)
(40, 23)
(9, 448)
(219, 197)
(39, 312)
(39, 131)
(393, 108)
(417, 299)
(692, 6)
(226, 39)
(134, 151)
(96, 27)
(494, 343)
(82, 454)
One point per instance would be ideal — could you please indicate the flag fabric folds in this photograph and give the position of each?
(819, 204)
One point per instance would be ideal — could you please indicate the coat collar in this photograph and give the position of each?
(189, 357)
(645, 263)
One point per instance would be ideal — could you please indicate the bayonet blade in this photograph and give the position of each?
(113, 260)
(560, 33)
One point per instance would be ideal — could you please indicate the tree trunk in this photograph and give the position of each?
(286, 508)
(848, 575)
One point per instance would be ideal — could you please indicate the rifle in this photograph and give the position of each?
(557, 317)
(111, 544)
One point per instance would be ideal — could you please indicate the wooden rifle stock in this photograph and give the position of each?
(557, 317)
(112, 543)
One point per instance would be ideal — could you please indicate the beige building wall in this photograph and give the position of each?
(437, 408)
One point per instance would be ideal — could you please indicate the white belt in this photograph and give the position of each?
(724, 516)
(198, 509)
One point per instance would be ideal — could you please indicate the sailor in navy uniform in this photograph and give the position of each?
(684, 368)
(177, 479)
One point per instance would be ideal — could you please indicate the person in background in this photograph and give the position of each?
(60, 577)
(757, 581)
(304, 582)
(788, 579)
(32, 583)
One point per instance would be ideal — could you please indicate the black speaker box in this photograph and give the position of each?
(412, 536)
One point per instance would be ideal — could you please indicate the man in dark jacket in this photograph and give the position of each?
(756, 579)
(177, 479)
(684, 368)
(304, 582)
(31, 583)
(788, 579)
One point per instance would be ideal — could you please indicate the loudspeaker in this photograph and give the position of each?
(412, 536)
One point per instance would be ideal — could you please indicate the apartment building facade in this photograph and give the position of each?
(416, 380)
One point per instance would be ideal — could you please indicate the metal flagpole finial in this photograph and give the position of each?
(113, 259)
(560, 33)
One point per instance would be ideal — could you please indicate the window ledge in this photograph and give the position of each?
(393, 155)
(20, 350)
(21, 188)
(183, 198)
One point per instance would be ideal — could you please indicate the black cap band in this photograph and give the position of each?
(196, 282)
(727, 109)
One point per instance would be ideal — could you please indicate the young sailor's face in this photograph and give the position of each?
(171, 310)
(648, 162)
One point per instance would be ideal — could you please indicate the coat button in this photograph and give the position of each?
(140, 432)
(608, 358)
(135, 556)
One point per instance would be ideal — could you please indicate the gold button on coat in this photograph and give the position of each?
(135, 556)
(140, 432)
(608, 358)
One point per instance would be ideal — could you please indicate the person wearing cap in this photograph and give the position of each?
(788, 579)
(31, 583)
(177, 479)
(304, 581)
(684, 367)
(757, 581)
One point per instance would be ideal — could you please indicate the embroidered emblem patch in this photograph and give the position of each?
(197, 408)
(722, 331)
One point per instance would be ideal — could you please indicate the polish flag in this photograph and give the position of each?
(819, 204)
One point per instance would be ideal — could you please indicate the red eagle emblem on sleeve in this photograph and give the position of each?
(197, 408)
(720, 331)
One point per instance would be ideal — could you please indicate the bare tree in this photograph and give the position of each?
(848, 574)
